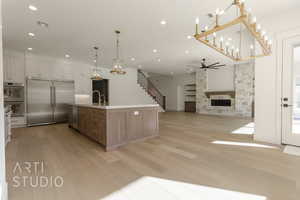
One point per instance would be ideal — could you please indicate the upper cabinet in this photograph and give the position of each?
(14, 67)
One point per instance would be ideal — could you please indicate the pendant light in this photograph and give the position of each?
(96, 75)
(118, 67)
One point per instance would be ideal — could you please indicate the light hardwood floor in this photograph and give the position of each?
(184, 153)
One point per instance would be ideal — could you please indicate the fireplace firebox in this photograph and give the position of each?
(221, 102)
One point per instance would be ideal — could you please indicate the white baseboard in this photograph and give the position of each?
(3, 191)
(293, 150)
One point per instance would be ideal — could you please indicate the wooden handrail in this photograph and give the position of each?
(144, 81)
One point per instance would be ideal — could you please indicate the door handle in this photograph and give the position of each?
(286, 105)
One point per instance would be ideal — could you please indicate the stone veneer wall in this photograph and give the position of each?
(241, 105)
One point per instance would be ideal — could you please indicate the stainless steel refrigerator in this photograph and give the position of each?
(48, 100)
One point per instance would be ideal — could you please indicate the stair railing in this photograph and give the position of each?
(150, 88)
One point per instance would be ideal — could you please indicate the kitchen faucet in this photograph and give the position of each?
(99, 96)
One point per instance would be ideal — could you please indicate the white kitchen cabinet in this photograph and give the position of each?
(14, 67)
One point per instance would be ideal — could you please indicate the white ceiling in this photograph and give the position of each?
(75, 26)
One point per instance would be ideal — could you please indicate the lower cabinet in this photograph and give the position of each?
(116, 124)
(92, 123)
(190, 106)
(134, 124)
(117, 127)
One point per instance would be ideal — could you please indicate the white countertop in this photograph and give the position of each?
(117, 107)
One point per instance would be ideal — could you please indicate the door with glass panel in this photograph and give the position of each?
(291, 92)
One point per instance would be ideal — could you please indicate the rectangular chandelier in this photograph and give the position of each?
(244, 17)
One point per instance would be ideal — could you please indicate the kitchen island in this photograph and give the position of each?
(115, 126)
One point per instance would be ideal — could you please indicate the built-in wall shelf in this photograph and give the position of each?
(212, 93)
(191, 84)
(190, 97)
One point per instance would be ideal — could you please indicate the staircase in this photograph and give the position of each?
(151, 90)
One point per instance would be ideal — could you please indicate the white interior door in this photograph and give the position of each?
(291, 92)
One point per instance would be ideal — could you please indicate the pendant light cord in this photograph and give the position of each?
(118, 45)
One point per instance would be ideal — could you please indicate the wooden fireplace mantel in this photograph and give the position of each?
(211, 93)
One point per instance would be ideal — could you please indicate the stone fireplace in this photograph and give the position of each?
(237, 102)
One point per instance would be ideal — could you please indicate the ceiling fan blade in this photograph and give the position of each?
(219, 66)
(213, 64)
(193, 65)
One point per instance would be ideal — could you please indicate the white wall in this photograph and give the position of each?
(123, 90)
(267, 78)
(173, 88)
(3, 184)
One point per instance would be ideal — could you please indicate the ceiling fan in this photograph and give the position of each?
(205, 66)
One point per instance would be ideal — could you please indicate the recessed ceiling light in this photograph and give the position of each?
(42, 24)
(189, 37)
(154, 50)
(163, 22)
(95, 61)
(31, 34)
(172, 73)
(32, 7)
(158, 60)
(140, 66)
(229, 39)
(29, 49)
(132, 59)
(67, 56)
(187, 52)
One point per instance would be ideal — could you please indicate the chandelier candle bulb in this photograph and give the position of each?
(197, 25)
(227, 47)
(242, 9)
(258, 28)
(251, 50)
(266, 38)
(221, 42)
(270, 42)
(217, 17)
(249, 15)
(214, 39)
(253, 20)
(237, 53)
(206, 29)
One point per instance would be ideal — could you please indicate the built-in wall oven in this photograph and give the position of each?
(14, 97)
(13, 91)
